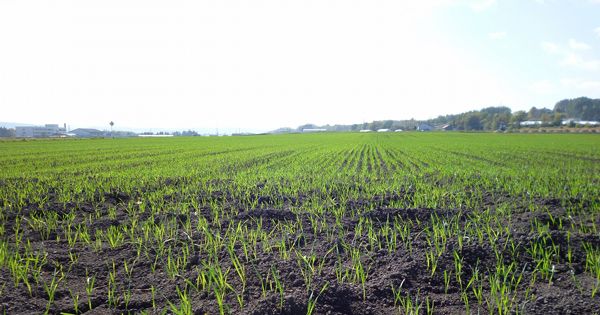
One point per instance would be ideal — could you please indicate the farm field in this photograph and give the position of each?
(398, 223)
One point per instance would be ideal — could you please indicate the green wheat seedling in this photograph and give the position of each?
(51, 289)
(75, 298)
(219, 284)
(432, 261)
(74, 258)
(458, 269)
(397, 293)
(312, 303)
(503, 286)
(127, 295)
(446, 282)
(113, 297)
(410, 307)
(153, 292)
(477, 285)
(97, 243)
(278, 285)
(114, 236)
(89, 286)
(572, 273)
(185, 305)
(307, 266)
(592, 261)
(241, 271)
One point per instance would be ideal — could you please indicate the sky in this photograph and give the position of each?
(265, 64)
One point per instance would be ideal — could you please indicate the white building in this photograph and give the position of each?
(313, 130)
(531, 122)
(48, 130)
(425, 127)
(383, 130)
(580, 122)
(87, 132)
(365, 130)
(155, 136)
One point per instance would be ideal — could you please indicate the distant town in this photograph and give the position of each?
(58, 131)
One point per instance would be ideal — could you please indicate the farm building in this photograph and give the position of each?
(365, 130)
(87, 132)
(398, 130)
(581, 122)
(313, 130)
(425, 127)
(38, 132)
(531, 122)
(383, 130)
(447, 128)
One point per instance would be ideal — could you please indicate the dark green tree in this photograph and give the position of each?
(472, 122)
(7, 132)
(518, 117)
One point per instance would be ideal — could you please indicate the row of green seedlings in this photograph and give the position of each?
(424, 193)
(306, 261)
(435, 235)
(439, 232)
(49, 224)
(212, 278)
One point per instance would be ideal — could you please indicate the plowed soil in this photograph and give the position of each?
(402, 268)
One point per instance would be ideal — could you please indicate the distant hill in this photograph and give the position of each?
(490, 118)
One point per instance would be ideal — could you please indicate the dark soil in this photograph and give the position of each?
(403, 268)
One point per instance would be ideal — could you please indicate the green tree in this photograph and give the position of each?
(506, 117)
(7, 132)
(495, 122)
(518, 117)
(558, 119)
(546, 119)
(582, 107)
(473, 122)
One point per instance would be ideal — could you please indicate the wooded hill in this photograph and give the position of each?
(489, 118)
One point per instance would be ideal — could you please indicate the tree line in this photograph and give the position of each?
(7, 132)
(501, 117)
(489, 118)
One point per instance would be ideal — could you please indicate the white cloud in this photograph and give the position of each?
(572, 59)
(580, 84)
(575, 45)
(567, 82)
(542, 87)
(549, 47)
(590, 85)
(479, 6)
(497, 35)
(577, 61)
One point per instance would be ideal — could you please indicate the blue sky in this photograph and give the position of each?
(269, 63)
